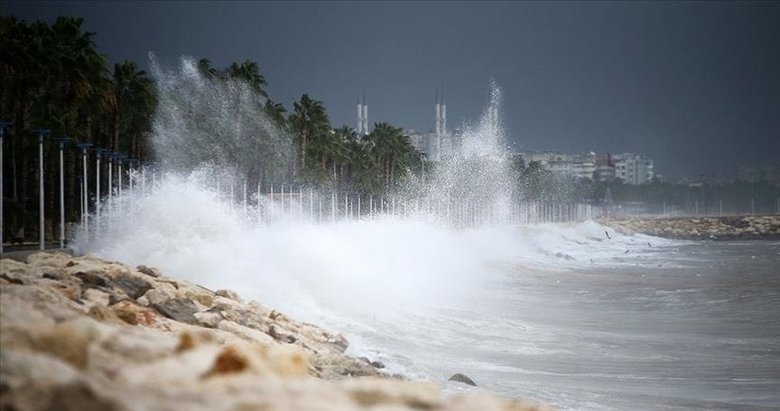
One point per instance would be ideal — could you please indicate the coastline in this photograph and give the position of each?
(85, 333)
(731, 228)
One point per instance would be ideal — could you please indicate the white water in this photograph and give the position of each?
(553, 312)
(366, 266)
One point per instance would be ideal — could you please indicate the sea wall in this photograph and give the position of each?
(766, 227)
(88, 334)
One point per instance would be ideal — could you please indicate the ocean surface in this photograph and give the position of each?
(663, 325)
(575, 315)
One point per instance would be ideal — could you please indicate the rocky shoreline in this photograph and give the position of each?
(765, 227)
(81, 333)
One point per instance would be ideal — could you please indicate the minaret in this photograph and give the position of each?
(359, 128)
(365, 114)
(443, 126)
(437, 126)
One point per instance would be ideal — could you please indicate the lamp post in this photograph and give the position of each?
(120, 159)
(131, 164)
(61, 141)
(98, 153)
(41, 133)
(3, 125)
(110, 176)
(85, 198)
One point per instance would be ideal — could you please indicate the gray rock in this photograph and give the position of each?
(178, 309)
(463, 379)
(229, 294)
(90, 280)
(133, 287)
(150, 271)
(377, 364)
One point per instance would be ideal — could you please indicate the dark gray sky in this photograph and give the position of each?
(694, 85)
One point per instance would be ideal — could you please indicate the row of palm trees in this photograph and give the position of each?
(53, 77)
(324, 155)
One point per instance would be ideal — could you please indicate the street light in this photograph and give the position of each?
(41, 133)
(99, 151)
(119, 157)
(84, 196)
(61, 141)
(132, 164)
(3, 125)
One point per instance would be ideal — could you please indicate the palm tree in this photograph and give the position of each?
(392, 150)
(205, 69)
(275, 111)
(249, 71)
(133, 102)
(308, 120)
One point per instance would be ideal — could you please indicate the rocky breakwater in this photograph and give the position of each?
(88, 334)
(766, 227)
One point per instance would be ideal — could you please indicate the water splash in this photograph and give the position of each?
(216, 122)
(197, 217)
(477, 174)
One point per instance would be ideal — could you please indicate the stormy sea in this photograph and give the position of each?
(572, 314)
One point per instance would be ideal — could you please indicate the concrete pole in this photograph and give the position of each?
(119, 179)
(62, 141)
(41, 217)
(84, 186)
(110, 180)
(97, 185)
(62, 201)
(3, 125)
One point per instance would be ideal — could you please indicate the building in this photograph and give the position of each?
(565, 165)
(605, 168)
(633, 169)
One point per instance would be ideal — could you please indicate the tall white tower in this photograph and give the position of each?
(437, 123)
(443, 117)
(359, 128)
(365, 114)
(362, 114)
